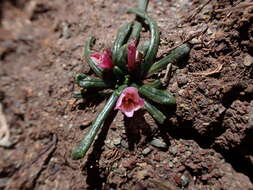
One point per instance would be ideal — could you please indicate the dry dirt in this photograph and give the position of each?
(208, 136)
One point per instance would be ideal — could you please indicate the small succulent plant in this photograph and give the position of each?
(124, 68)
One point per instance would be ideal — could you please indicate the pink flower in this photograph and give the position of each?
(104, 60)
(129, 101)
(131, 55)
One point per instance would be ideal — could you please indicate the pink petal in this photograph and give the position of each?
(129, 114)
(131, 55)
(96, 57)
(140, 104)
(106, 60)
(119, 102)
(131, 90)
(129, 101)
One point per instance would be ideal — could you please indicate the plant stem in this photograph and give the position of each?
(87, 50)
(136, 32)
(154, 41)
(154, 112)
(86, 142)
(175, 56)
(156, 84)
(92, 82)
(156, 95)
(143, 4)
(122, 37)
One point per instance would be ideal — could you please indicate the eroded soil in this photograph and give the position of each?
(208, 136)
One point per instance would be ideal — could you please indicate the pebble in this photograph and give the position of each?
(248, 60)
(142, 174)
(209, 31)
(249, 89)
(195, 41)
(251, 117)
(175, 160)
(3, 182)
(158, 143)
(146, 151)
(70, 126)
(182, 80)
(124, 144)
(181, 92)
(184, 181)
(171, 164)
(117, 141)
(188, 153)
(173, 150)
(221, 109)
(86, 122)
(109, 143)
(65, 31)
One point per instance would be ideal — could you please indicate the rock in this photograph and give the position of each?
(173, 150)
(236, 123)
(146, 151)
(129, 163)
(182, 80)
(117, 141)
(177, 179)
(184, 180)
(181, 92)
(251, 116)
(142, 174)
(249, 89)
(139, 186)
(232, 180)
(209, 31)
(124, 144)
(3, 182)
(86, 122)
(65, 31)
(158, 143)
(171, 165)
(175, 160)
(195, 41)
(248, 60)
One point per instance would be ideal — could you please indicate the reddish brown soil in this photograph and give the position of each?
(209, 135)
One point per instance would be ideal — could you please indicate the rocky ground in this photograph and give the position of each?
(206, 142)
